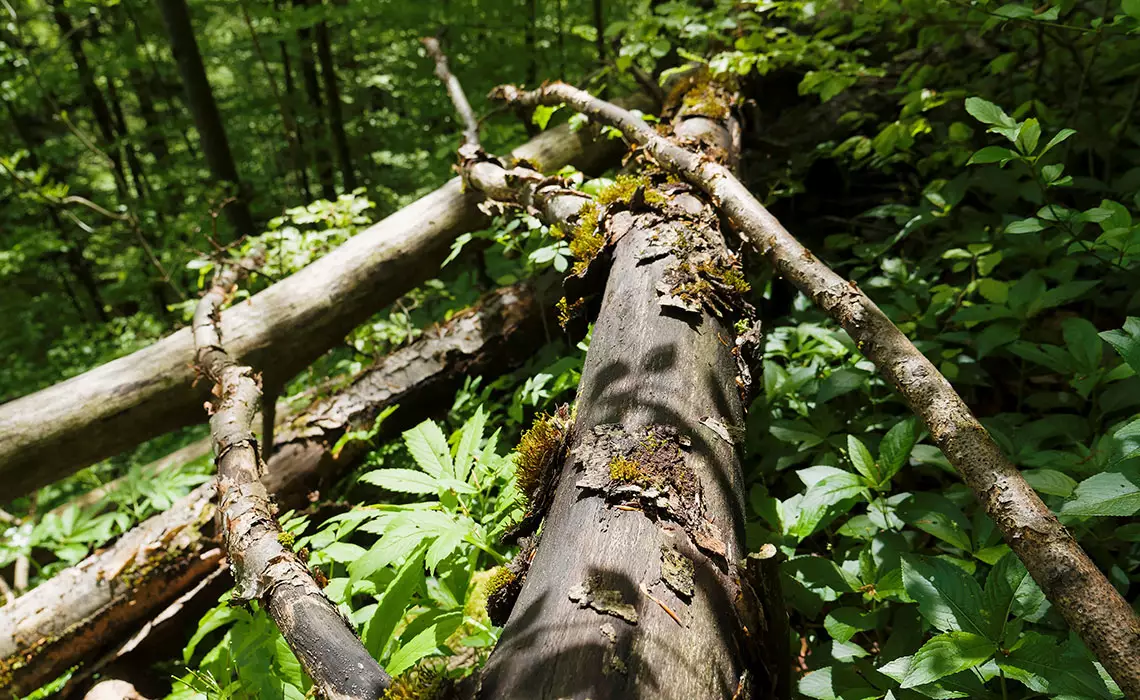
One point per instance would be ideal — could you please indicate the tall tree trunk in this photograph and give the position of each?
(332, 99)
(313, 90)
(600, 28)
(138, 177)
(200, 97)
(154, 136)
(291, 100)
(91, 91)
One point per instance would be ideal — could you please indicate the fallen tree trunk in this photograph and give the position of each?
(85, 609)
(1094, 609)
(49, 434)
(635, 589)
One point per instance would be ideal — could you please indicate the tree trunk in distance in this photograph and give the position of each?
(207, 119)
(313, 90)
(49, 434)
(87, 607)
(332, 99)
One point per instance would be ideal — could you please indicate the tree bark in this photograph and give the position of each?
(1105, 622)
(291, 101)
(207, 119)
(635, 589)
(313, 90)
(332, 100)
(51, 433)
(75, 616)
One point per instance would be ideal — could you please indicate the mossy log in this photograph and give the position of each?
(89, 607)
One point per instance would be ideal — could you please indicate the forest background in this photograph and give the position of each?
(973, 165)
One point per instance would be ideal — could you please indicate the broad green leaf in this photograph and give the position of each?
(428, 642)
(937, 515)
(945, 655)
(216, 618)
(1061, 136)
(1083, 343)
(1010, 590)
(1030, 225)
(1050, 481)
(861, 459)
(342, 552)
(987, 112)
(542, 114)
(992, 154)
(1127, 341)
(1108, 494)
(821, 496)
(843, 623)
(894, 450)
(1027, 139)
(428, 447)
(1045, 666)
(402, 480)
(948, 598)
(838, 383)
(398, 593)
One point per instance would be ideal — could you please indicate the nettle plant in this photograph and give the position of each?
(409, 576)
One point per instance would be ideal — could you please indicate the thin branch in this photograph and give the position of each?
(264, 569)
(454, 91)
(1070, 579)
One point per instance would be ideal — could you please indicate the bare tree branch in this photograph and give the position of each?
(1070, 579)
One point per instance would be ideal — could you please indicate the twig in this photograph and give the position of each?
(1072, 582)
(454, 91)
(264, 569)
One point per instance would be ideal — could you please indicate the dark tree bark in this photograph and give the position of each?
(208, 120)
(600, 28)
(138, 177)
(291, 101)
(313, 90)
(332, 99)
(86, 609)
(51, 433)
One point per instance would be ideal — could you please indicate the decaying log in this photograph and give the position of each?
(83, 611)
(635, 588)
(265, 569)
(1089, 603)
(52, 433)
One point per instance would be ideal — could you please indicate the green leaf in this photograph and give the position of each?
(1030, 225)
(1029, 136)
(938, 516)
(861, 459)
(468, 443)
(992, 154)
(1010, 590)
(402, 480)
(948, 598)
(894, 450)
(428, 642)
(428, 447)
(1127, 341)
(1083, 343)
(1131, 8)
(1050, 481)
(1044, 666)
(945, 655)
(1108, 494)
(987, 112)
(843, 623)
(838, 383)
(542, 114)
(821, 496)
(398, 593)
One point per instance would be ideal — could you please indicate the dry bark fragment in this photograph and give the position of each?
(1069, 578)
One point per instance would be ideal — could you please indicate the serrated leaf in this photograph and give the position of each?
(894, 450)
(428, 447)
(1108, 494)
(1126, 341)
(938, 516)
(862, 459)
(428, 642)
(843, 623)
(945, 655)
(821, 496)
(1044, 666)
(468, 443)
(1050, 481)
(409, 577)
(948, 598)
(402, 480)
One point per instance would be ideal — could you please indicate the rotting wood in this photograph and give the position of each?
(264, 568)
(49, 434)
(1089, 603)
(643, 476)
(78, 614)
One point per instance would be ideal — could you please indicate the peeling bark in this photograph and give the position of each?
(1069, 578)
(635, 588)
(49, 434)
(85, 609)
